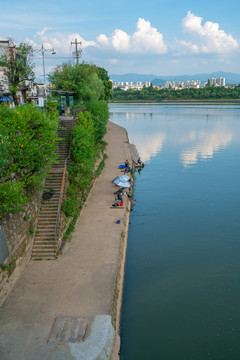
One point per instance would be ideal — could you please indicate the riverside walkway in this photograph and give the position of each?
(64, 309)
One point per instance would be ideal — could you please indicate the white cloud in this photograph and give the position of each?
(121, 41)
(59, 42)
(102, 39)
(145, 39)
(42, 32)
(206, 144)
(149, 144)
(193, 47)
(211, 39)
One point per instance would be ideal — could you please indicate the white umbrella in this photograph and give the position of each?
(123, 184)
(123, 178)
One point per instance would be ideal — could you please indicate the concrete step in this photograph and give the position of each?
(47, 231)
(54, 186)
(47, 235)
(53, 204)
(42, 256)
(46, 227)
(44, 247)
(44, 238)
(49, 209)
(55, 178)
(55, 181)
(46, 210)
(46, 241)
(46, 224)
(47, 216)
(44, 251)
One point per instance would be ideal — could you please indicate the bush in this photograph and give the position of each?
(100, 114)
(86, 137)
(27, 148)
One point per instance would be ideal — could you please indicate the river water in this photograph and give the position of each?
(182, 282)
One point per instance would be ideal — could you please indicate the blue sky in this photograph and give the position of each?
(164, 37)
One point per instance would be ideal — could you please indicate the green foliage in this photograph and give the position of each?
(19, 67)
(101, 166)
(103, 75)
(151, 94)
(84, 150)
(100, 115)
(27, 146)
(31, 229)
(82, 79)
(9, 267)
(52, 107)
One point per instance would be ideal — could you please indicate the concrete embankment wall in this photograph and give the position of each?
(18, 230)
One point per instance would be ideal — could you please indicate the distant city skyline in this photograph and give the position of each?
(165, 37)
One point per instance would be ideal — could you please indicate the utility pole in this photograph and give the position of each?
(77, 52)
(43, 50)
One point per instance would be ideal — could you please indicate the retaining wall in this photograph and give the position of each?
(19, 231)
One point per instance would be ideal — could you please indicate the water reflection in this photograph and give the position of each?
(205, 145)
(154, 131)
(149, 144)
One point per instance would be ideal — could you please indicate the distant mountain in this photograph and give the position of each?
(231, 78)
(132, 77)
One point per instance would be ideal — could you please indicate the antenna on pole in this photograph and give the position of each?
(77, 53)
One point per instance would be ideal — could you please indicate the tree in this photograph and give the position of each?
(19, 67)
(103, 75)
(82, 78)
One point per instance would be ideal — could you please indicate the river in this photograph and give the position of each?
(182, 281)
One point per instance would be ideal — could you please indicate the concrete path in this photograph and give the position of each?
(62, 309)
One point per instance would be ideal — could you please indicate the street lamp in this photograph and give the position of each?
(43, 50)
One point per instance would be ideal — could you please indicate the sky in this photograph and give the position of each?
(164, 37)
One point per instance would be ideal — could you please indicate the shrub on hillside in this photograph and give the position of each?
(28, 138)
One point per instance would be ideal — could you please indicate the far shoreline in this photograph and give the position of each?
(177, 101)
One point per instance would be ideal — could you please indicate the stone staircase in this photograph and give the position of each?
(45, 246)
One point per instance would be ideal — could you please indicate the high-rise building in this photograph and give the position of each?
(212, 81)
(220, 81)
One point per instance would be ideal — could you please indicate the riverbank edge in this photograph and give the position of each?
(176, 101)
(120, 272)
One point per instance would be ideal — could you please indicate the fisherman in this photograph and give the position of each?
(127, 167)
(119, 197)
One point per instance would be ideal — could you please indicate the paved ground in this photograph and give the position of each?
(78, 284)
